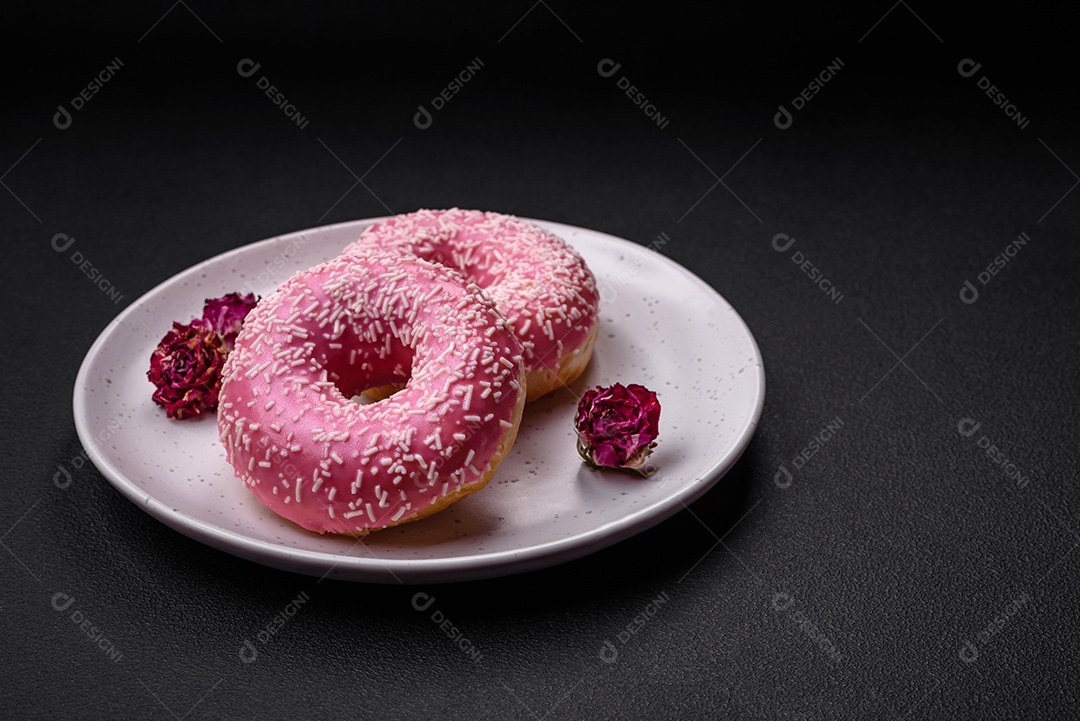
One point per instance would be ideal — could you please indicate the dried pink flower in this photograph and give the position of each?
(185, 369)
(617, 426)
(226, 315)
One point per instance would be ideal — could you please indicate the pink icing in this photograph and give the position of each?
(313, 456)
(538, 282)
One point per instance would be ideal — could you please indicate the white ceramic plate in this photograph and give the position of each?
(660, 326)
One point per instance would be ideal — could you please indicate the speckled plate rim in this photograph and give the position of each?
(443, 570)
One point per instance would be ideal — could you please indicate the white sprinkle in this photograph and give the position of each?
(257, 370)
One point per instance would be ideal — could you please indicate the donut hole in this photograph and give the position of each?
(361, 375)
(379, 393)
(475, 260)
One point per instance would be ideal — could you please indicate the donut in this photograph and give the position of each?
(330, 465)
(538, 282)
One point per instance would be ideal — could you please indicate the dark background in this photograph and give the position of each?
(900, 575)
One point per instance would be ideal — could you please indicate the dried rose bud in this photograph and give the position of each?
(186, 369)
(226, 315)
(617, 426)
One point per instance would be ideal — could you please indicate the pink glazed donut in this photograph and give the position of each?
(330, 465)
(538, 282)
